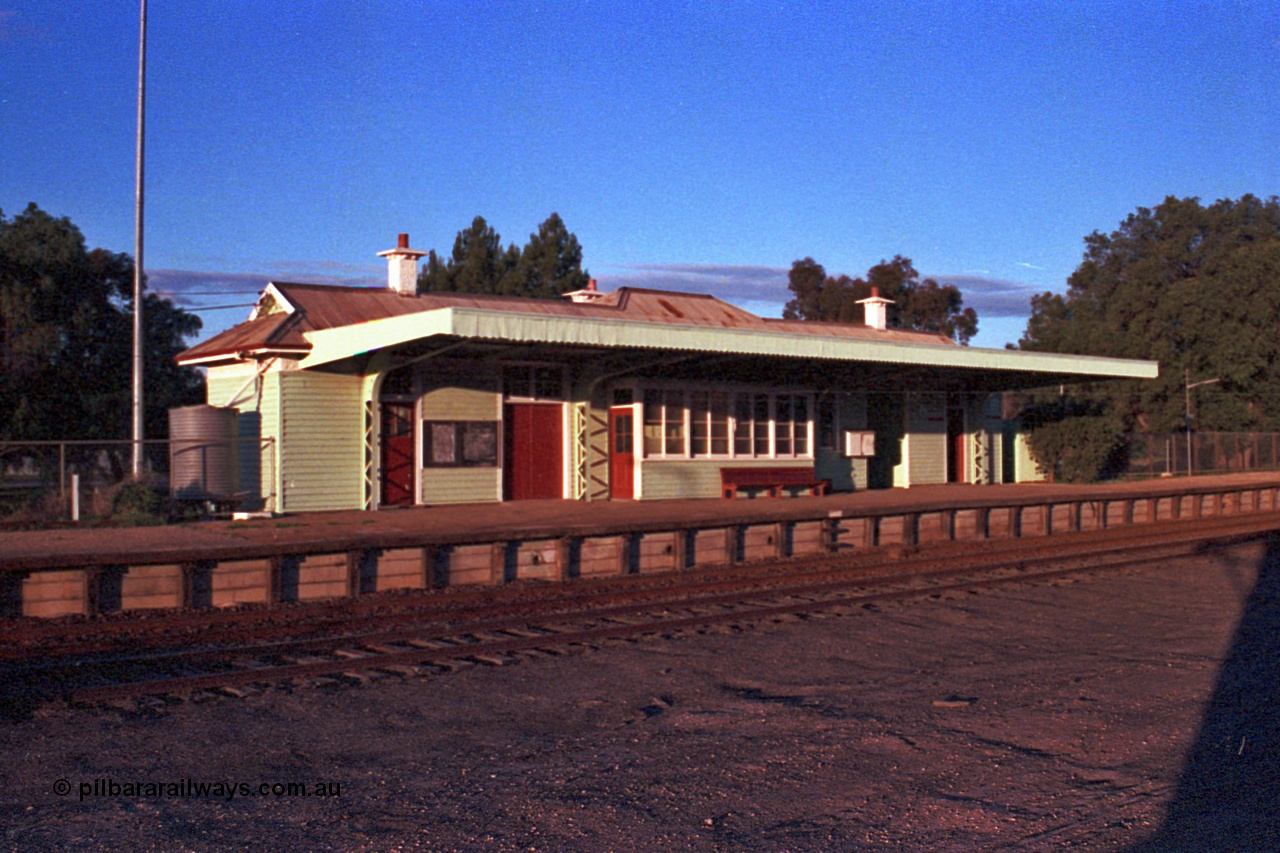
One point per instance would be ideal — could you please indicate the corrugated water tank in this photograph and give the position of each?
(204, 453)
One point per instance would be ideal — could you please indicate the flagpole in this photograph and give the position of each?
(138, 432)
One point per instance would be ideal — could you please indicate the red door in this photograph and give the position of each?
(622, 454)
(533, 452)
(397, 454)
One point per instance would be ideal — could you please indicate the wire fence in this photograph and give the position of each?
(1179, 453)
(41, 473)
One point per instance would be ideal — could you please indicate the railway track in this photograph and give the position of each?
(184, 656)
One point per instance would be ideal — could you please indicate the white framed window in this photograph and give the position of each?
(703, 424)
(708, 423)
(791, 424)
(664, 427)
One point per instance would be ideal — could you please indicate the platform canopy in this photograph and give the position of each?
(635, 331)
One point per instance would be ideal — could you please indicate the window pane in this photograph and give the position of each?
(742, 425)
(782, 430)
(720, 423)
(480, 443)
(443, 444)
(652, 423)
(673, 412)
(698, 423)
(760, 442)
(801, 420)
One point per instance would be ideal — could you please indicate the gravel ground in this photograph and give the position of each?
(1133, 711)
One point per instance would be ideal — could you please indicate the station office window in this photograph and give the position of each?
(663, 422)
(702, 424)
(460, 444)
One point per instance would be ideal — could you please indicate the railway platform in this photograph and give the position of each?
(334, 554)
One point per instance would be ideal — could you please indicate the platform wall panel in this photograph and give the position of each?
(324, 576)
(57, 593)
(401, 568)
(471, 564)
(808, 537)
(710, 547)
(241, 582)
(760, 542)
(600, 556)
(151, 587)
(659, 552)
(538, 560)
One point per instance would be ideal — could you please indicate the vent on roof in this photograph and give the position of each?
(586, 294)
(671, 308)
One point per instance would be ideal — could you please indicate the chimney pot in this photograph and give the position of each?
(591, 285)
(403, 242)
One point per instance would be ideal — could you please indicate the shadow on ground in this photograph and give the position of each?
(1228, 796)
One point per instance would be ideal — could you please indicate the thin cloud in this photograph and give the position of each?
(992, 297)
(728, 282)
(1027, 265)
(194, 288)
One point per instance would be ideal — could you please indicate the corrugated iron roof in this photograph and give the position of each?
(274, 333)
(318, 307)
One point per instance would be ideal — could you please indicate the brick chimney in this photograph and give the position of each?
(876, 309)
(402, 267)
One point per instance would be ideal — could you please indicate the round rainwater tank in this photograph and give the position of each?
(204, 453)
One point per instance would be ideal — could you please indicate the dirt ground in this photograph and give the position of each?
(1134, 711)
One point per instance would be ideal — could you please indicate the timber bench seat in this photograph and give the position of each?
(774, 479)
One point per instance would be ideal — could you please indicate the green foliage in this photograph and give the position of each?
(1075, 441)
(66, 338)
(549, 265)
(1196, 288)
(918, 305)
(135, 500)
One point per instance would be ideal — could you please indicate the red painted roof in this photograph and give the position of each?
(320, 306)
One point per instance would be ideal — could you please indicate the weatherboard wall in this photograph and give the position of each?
(458, 392)
(321, 441)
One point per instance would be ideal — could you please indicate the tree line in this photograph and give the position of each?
(924, 306)
(549, 264)
(66, 338)
(1195, 287)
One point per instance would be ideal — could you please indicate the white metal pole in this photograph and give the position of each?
(137, 250)
(75, 497)
(1188, 422)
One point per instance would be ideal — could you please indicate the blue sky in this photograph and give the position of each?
(694, 145)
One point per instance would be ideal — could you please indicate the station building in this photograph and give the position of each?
(376, 397)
